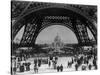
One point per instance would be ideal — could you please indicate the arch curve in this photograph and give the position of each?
(62, 6)
(51, 30)
(59, 24)
(67, 8)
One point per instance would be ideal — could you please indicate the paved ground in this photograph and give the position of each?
(45, 68)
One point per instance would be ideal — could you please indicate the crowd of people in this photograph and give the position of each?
(20, 64)
(54, 65)
(83, 61)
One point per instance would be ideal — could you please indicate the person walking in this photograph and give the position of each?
(61, 68)
(76, 67)
(58, 68)
(49, 63)
(35, 69)
(90, 66)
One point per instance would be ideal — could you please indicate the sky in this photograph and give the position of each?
(19, 35)
(48, 35)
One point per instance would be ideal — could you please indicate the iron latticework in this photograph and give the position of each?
(37, 15)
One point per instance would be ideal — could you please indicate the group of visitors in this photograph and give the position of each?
(37, 64)
(53, 60)
(20, 65)
(83, 62)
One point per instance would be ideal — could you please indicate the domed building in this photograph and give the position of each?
(57, 44)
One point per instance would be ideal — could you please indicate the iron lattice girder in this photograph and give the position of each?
(83, 9)
(82, 31)
(25, 8)
(47, 21)
(17, 7)
(40, 26)
(60, 20)
(29, 33)
(93, 30)
(50, 20)
(21, 5)
(35, 6)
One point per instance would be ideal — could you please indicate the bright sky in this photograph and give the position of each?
(19, 35)
(48, 34)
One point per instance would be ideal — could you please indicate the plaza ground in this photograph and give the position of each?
(46, 69)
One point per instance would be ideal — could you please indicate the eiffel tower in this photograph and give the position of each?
(36, 16)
